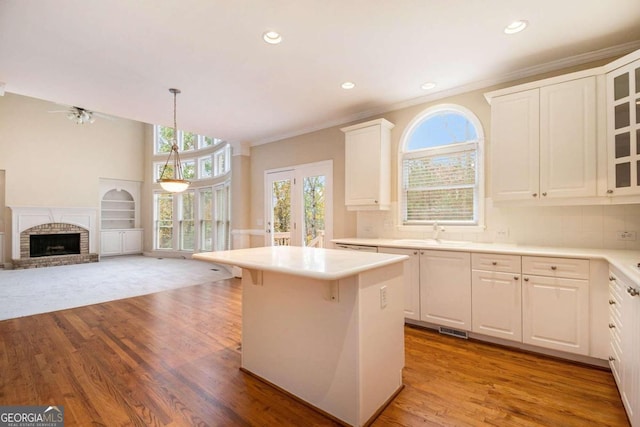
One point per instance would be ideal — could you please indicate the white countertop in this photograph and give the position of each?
(625, 261)
(323, 264)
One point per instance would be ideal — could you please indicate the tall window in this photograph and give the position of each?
(164, 220)
(441, 168)
(206, 219)
(187, 221)
(221, 217)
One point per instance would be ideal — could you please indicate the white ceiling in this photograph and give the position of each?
(120, 57)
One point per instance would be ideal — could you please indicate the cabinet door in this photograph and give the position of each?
(496, 304)
(445, 288)
(630, 363)
(411, 281)
(555, 313)
(110, 243)
(568, 139)
(623, 130)
(366, 169)
(515, 139)
(132, 241)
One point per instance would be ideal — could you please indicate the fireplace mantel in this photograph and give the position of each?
(23, 218)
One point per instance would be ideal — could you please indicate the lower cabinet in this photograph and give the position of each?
(625, 343)
(445, 288)
(120, 242)
(496, 296)
(555, 306)
(411, 280)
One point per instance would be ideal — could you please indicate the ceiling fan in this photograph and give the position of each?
(81, 115)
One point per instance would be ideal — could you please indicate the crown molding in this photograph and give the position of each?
(560, 64)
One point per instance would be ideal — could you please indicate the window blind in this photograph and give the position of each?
(440, 186)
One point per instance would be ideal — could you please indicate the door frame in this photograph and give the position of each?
(298, 173)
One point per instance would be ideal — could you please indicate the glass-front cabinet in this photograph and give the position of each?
(623, 125)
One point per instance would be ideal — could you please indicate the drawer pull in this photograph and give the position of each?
(611, 302)
(494, 263)
(526, 279)
(633, 291)
(612, 279)
(554, 268)
(611, 326)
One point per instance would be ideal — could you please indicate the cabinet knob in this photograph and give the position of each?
(516, 278)
(554, 268)
(544, 194)
(612, 302)
(611, 326)
(612, 279)
(375, 201)
(494, 263)
(633, 291)
(526, 279)
(609, 191)
(535, 194)
(415, 252)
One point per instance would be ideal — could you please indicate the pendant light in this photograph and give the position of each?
(175, 183)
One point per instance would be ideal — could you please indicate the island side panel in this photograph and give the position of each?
(381, 336)
(296, 337)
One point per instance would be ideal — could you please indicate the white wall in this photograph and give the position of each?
(51, 161)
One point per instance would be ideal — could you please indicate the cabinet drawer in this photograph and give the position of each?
(568, 268)
(496, 262)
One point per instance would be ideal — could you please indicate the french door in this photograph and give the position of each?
(299, 208)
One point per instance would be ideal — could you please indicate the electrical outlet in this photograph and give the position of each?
(626, 235)
(502, 233)
(383, 297)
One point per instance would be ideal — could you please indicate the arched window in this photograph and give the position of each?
(441, 168)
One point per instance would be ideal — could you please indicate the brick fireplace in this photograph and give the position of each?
(45, 237)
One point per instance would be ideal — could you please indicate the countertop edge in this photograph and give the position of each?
(624, 260)
(297, 271)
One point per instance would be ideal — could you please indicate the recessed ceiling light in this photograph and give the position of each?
(428, 85)
(515, 27)
(272, 37)
(348, 85)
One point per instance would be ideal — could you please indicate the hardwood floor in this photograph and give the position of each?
(173, 358)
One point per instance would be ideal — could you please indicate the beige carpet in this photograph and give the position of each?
(42, 290)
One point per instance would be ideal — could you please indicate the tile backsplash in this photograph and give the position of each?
(566, 226)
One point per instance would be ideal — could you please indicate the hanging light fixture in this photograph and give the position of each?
(175, 183)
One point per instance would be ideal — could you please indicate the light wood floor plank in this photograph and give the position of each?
(173, 358)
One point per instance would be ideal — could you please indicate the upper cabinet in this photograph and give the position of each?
(623, 127)
(367, 165)
(543, 140)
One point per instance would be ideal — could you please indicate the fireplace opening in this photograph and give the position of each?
(54, 244)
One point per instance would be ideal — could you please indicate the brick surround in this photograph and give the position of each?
(26, 261)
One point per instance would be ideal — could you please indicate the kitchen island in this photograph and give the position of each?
(324, 325)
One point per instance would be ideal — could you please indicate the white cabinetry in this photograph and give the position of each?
(624, 322)
(411, 280)
(543, 140)
(623, 127)
(120, 242)
(555, 303)
(445, 288)
(496, 295)
(367, 165)
(120, 217)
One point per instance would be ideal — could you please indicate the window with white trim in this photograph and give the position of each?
(441, 168)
